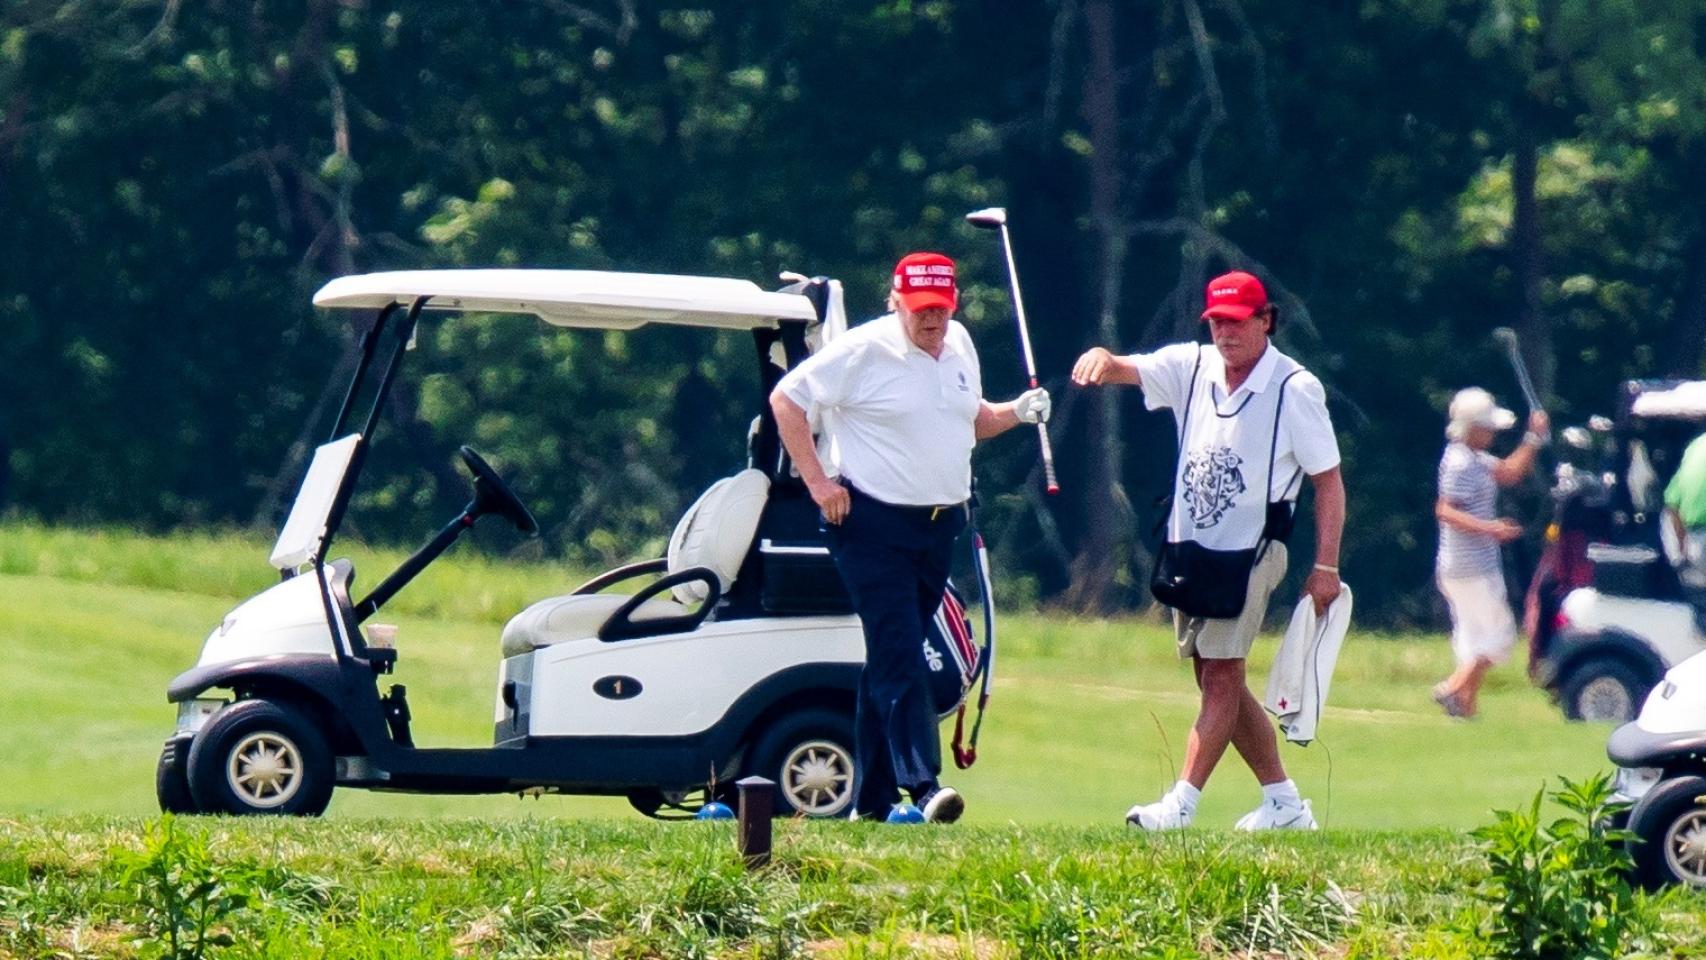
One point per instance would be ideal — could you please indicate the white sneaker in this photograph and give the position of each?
(1166, 813)
(1279, 815)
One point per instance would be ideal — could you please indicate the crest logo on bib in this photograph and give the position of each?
(1213, 479)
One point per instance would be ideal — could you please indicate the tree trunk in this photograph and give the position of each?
(1101, 559)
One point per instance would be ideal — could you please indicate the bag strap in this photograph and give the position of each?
(1190, 392)
(965, 754)
(1166, 519)
(1273, 450)
(1273, 442)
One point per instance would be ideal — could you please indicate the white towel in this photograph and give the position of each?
(1303, 668)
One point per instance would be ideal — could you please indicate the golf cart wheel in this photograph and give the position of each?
(809, 755)
(1670, 828)
(261, 757)
(171, 785)
(1603, 689)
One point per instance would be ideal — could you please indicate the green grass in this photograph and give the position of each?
(1087, 717)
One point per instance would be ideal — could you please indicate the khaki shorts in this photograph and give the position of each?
(1232, 639)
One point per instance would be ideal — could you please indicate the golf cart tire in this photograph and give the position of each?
(300, 771)
(171, 785)
(1666, 810)
(1586, 689)
(826, 737)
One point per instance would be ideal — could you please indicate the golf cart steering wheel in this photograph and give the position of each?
(492, 495)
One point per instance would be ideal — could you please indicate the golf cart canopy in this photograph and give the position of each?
(576, 298)
(1667, 399)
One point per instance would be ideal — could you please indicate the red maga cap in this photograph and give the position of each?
(924, 280)
(1234, 296)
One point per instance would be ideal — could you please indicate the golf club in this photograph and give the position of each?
(995, 218)
(1507, 337)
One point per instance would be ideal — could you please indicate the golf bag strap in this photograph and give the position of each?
(965, 752)
(1164, 522)
(1273, 453)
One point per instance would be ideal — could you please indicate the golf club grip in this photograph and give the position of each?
(1048, 459)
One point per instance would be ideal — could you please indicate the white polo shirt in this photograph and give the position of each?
(896, 422)
(1223, 481)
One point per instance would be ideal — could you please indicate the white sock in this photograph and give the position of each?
(1283, 793)
(1187, 795)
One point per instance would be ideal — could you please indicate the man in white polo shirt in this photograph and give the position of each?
(900, 404)
(1252, 424)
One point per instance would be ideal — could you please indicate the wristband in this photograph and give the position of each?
(1325, 568)
(1535, 439)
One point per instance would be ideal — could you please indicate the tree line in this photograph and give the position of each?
(177, 178)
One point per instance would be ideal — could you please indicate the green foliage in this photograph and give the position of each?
(184, 900)
(211, 165)
(1560, 890)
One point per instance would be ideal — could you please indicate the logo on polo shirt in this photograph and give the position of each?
(964, 387)
(1213, 479)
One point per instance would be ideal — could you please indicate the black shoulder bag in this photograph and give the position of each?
(1198, 581)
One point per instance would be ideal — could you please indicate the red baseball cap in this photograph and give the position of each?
(1234, 296)
(924, 280)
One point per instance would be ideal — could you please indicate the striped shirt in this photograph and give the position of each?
(1466, 482)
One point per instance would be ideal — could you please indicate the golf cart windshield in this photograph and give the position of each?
(305, 530)
(576, 298)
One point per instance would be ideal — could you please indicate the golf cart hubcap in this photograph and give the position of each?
(817, 778)
(1685, 848)
(1605, 698)
(264, 769)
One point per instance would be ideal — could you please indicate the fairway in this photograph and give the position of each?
(1088, 716)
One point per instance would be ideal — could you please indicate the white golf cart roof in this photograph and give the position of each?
(1683, 401)
(576, 298)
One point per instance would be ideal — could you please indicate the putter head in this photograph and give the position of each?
(1505, 336)
(989, 218)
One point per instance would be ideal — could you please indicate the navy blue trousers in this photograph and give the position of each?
(895, 562)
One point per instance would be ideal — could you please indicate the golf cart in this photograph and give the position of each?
(1661, 772)
(735, 654)
(1607, 613)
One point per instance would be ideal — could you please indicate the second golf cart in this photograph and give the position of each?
(1607, 613)
(735, 654)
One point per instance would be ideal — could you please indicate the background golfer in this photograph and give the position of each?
(900, 405)
(1470, 575)
(1241, 448)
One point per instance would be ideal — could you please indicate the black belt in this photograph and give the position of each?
(928, 512)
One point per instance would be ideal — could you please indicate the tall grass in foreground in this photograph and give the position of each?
(275, 889)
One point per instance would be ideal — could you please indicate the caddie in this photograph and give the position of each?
(1252, 423)
(899, 402)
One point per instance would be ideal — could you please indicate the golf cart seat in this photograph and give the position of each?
(705, 554)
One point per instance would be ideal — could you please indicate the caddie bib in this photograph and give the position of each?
(1221, 518)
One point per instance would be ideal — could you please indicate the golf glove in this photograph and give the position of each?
(1032, 406)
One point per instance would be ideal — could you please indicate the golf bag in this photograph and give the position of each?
(951, 654)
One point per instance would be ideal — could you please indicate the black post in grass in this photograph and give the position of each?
(757, 800)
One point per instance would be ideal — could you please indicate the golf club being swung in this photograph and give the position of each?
(1507, 337)
(995, 218)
